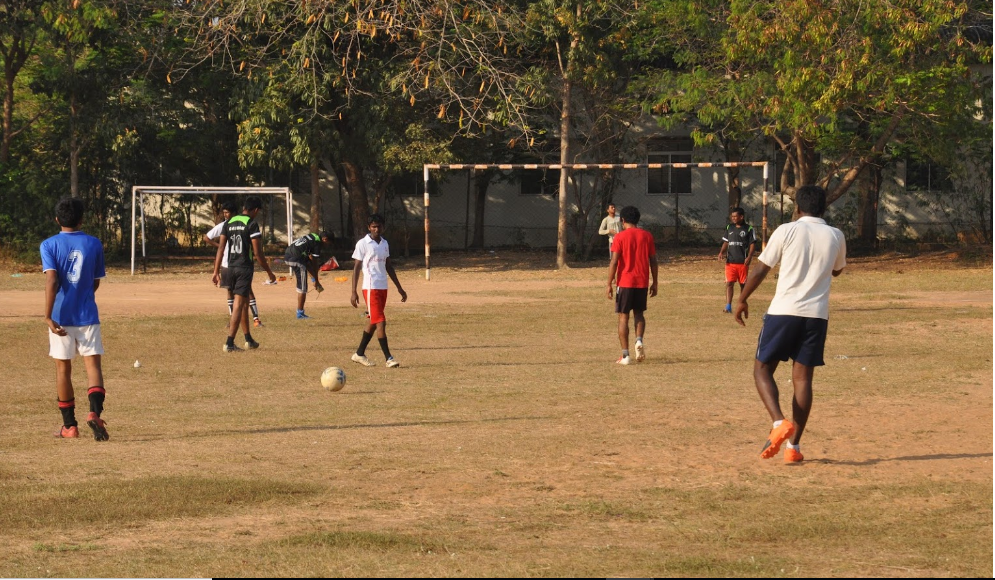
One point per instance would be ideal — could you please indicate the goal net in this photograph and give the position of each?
(158, 214)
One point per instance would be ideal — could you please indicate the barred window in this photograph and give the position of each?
(669, 180)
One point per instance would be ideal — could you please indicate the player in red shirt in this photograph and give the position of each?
(633, 261)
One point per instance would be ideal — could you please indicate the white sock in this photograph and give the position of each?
(795, 447)
(778, 423)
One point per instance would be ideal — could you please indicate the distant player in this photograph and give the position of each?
(738, 245)
(242, 237)
(73, 263)
(228, 209)
(633, 261)
(304, 257)
(610, 226)
(372, 257)
(811, 253)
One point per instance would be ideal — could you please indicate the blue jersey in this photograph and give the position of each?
(78, 259)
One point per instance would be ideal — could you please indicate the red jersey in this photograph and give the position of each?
(634, 247)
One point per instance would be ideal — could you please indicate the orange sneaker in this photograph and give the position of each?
(793, 456)
(67, 432)
(257, 323)
(777, 437)
(97, 424)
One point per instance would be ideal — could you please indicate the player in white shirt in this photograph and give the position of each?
(372, 257)
(811, 253)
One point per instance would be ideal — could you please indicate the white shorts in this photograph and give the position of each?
(83, 339)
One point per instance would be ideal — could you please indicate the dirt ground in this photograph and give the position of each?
(914, 437)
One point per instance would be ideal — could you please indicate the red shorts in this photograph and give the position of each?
(736, 273)
(375, 302)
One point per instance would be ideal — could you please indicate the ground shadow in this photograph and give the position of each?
(938, 456)
(381, 425)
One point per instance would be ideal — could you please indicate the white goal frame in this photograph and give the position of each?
(138, 201)
(767, 166)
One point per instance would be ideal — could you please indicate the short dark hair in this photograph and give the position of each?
(630, 214)
(326, 234)
(811, 200)
(375, 218)
(738, 210)
(252, 202)
(69, 212)
(229, 206)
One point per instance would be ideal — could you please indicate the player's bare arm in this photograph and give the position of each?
(257, 247)
(210, 241)
(393, 276)
(312, 269)
(354, 299)
(757, 275)
(51, 289)
(654, 270)
(612, 270)
(218, 256)
(722, 251)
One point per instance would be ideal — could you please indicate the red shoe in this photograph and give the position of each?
(256, 322)
(67, 432)
(793, 456)
(778, 435)
(97, 424)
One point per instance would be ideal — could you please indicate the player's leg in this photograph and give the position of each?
(810, 351)
(63, 349)
(95, 394)
(623, 337)
(763, 376)
(246, 328)
(300, 277)
(238, 308)
(728, 307)
(801, 404)
(254, 308)
(360, 355)
(778, 341)
(639, 324)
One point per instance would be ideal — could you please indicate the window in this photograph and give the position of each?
(412, 183)
(669, 180)
(540, 181)
(924, 176)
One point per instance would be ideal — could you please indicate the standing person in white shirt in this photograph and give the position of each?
(372, 257)
(811, 253)
(611, 225)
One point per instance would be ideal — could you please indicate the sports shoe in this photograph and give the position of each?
(778, 435)
(624, 360)
(361, 359)
(97, 424)
(67, 432)
(727, 309)
(302, 316)
(392, 364)
(793, 456)
(257, 323)
(640, 351)
(231, 348)
(251, 344)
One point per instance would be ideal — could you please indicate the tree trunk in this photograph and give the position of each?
(9, 74)
(358, 200)
(73, 148)
(561, 224)
(481, 182)
(316, 215)
(734, 155)
(867, 217)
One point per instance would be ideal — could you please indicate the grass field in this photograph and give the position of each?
(508, 443)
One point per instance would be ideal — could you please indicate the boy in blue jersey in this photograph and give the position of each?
(73, 263)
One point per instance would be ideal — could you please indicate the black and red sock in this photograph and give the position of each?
(96, 397)
(68, 410)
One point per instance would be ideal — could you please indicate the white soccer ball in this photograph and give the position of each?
(333, 379)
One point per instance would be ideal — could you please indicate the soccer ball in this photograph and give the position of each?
(333, 379)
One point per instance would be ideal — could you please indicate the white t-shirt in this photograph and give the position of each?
(809, 250)
(374, 257)
(214, 234)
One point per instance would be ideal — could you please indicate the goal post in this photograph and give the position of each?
(138, 206)
(766, 165)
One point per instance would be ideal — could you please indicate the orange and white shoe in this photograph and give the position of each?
(624, 360)
(793, 456)
(257, 323)
(67, 432)
(778, 435)
(97, 424)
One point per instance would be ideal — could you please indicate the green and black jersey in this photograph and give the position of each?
(239, 231)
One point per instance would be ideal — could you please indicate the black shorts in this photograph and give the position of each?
(796, 337)
(224, 279)
(240, 281)
(301, 275)
(627, 299)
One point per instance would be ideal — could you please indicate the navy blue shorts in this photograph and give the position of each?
(795, 337)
